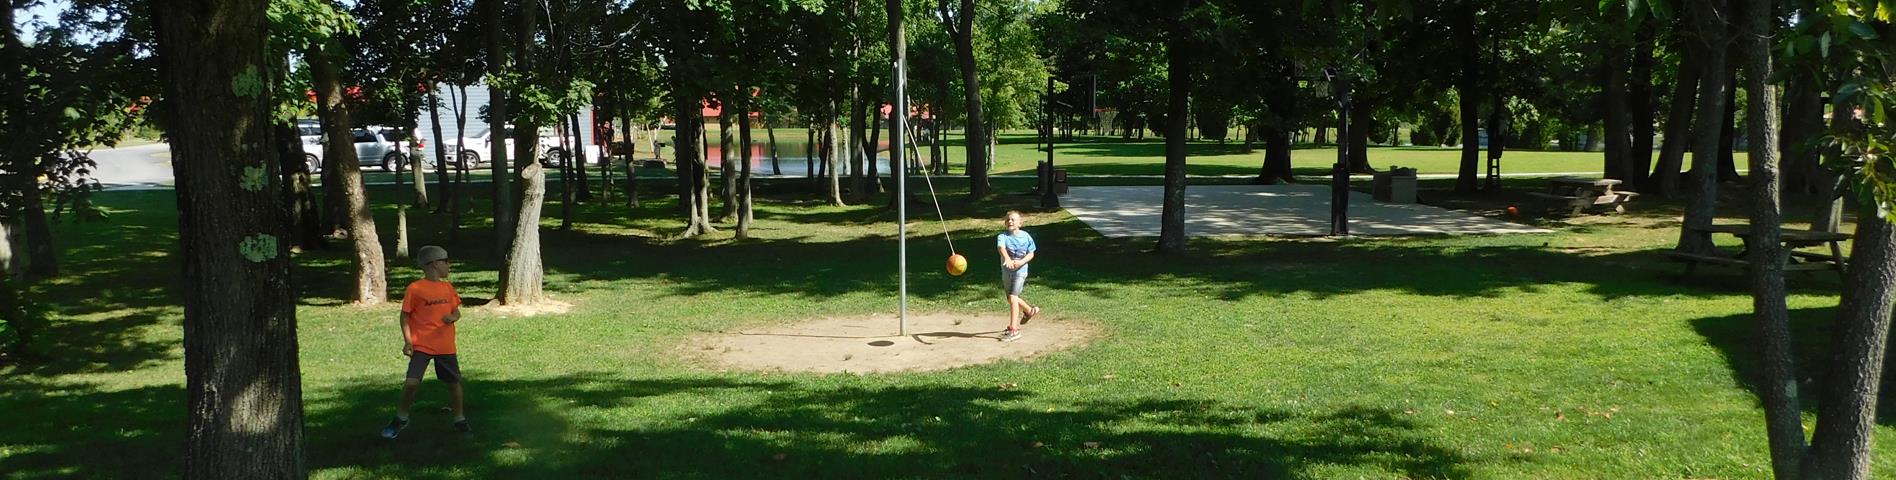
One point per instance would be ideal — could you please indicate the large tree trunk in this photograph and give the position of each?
(1179, 73)
(441, 149)
(522, 278)
(497, 115)
(691, 167)
(960, 25)
(1708, 20)
(243, 389)
(526, 278)
(1639, 103)
(1803, 121)
(1783, 417)
(1830, 184)
(1840, 448)
(1665, 176)
(1619, 165)
(371, 279)
(24, 164)
(1468, 88)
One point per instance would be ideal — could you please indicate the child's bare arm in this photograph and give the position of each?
(407, 348)
(452, 316)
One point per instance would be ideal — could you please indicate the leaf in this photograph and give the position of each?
(1862, 30)
(1661, 9)
(1823, 45)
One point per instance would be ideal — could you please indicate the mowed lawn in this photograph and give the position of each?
(1575, 354)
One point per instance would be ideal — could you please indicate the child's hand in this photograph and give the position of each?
(408, 350)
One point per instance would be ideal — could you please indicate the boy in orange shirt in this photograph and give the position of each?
(429, 309)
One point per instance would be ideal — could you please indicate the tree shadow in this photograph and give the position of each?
(1736, 337)
(788, 429)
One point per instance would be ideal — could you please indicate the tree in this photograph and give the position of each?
(1708, 19)
(339, 151)
(243, 389)
(959, 22)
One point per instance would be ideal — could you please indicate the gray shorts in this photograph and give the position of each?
(447, 368)
(1013, 281)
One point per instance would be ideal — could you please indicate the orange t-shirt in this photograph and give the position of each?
(427, 302)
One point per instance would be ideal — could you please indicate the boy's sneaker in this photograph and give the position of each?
(394, 428)
(1010, 335)
(1030, 315)
(461, 426)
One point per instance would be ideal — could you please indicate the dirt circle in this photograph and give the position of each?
(936, 341)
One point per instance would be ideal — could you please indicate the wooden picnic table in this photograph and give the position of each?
(1792, 239)
(1583, 193)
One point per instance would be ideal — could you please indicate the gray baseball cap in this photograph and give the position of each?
(429, 254)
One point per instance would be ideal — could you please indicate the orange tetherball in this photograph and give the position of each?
(1513, 212)
(957, 264)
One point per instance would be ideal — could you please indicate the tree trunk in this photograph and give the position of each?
(497, 115)
(631, 158)
(243, 387)
(23, 164)
(1803, 121)
(1727, 133)
(412, 160)
(305, 226)
(727, 186)
(1361, 110)
(1831, 186)
(582, 156)
(1840, 448)
(1707, 17)
(961, 27)
(1619, 164)
(526, 279)
(441, 148)
(1466, 181)
(1179, 73)
(1783, 417)
(831, 162)
(566, 167)
(460, 165)
(371, 281)
(401, 231)
(1665, 177)
(776, 163)
(1497, 136)
(690, 161)
(874, 144)
(744, 217)
(1639, 102)
(858, 131)
(1276, 167)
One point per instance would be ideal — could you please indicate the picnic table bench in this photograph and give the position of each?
(1792, 240)
(1581, 194)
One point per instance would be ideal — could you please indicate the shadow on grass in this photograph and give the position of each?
(538, 428)
(1736, 337)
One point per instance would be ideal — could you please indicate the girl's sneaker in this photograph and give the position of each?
(1030, 315)
(1010, 335)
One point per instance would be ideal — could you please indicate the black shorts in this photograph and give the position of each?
(446, 367)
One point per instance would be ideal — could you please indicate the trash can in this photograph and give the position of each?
(1059, 181)
(1396, 185)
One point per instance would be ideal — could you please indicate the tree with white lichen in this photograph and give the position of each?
(243, 389)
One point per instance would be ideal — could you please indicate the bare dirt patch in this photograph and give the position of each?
(936, 341)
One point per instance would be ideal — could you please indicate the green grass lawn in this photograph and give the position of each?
(1575, 354)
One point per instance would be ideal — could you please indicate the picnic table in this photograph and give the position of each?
(1583, 193)
(1791, 238)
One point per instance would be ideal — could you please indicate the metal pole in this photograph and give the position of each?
(898, 115)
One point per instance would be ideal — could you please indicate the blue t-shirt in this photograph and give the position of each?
(1018, 245)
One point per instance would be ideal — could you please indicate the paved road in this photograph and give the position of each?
(134, 167)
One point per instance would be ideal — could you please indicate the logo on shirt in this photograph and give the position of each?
(436, 302)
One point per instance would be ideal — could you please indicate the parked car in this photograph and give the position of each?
(374, 145)
(550, 153)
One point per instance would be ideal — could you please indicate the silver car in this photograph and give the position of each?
(375, 146)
